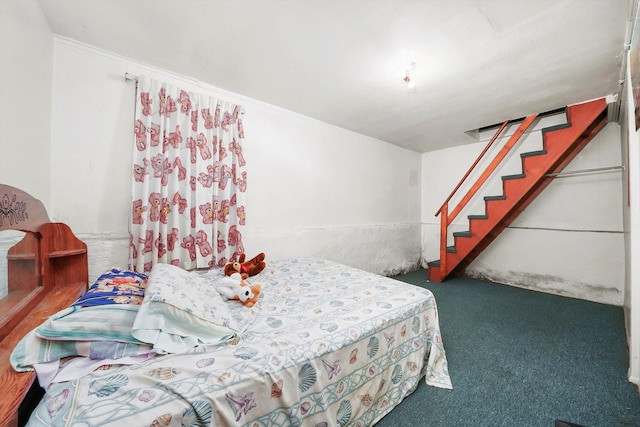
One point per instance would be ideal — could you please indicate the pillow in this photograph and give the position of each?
(115, 286)
(32, 350)
(98, 323)
(182, 310)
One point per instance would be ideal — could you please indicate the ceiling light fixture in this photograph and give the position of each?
(409, 79)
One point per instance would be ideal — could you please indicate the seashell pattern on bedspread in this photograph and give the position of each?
(330, 345)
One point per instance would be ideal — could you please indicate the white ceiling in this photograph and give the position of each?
(478, 62)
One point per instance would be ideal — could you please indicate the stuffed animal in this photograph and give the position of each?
(256, 289)
(246, 268)
(234, 287)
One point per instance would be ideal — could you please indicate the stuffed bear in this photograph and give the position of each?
(234, 287)
(246, 268)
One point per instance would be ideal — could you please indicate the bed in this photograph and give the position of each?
(325, 345)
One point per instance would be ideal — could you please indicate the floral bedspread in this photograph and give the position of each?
(330, 345)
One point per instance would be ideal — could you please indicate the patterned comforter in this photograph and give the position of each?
(328, 345)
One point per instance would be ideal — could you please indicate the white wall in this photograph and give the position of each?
(569, 241)
(313, 189)
(320, 190)
(630, 139)
(25, 106)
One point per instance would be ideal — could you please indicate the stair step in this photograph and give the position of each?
(470, 217)
(488, 198)
(434, 271)
(533, 153)
(514, 176)
(555, 127)
(462, 234)
(479, 229)
(451, 249)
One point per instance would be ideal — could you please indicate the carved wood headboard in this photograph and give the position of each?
(20, 211)
(47, 271)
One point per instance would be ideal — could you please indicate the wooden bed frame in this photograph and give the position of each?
(47, 271)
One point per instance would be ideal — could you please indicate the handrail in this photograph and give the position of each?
(473, 165)
(492, 166)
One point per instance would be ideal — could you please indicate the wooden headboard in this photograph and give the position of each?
(46, 271)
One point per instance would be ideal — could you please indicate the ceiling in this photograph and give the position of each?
(477, 62)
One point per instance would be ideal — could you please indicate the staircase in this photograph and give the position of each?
(560, 145)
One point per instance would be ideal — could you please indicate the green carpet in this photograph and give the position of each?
(523, 358)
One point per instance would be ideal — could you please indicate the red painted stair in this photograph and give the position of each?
(560, 145)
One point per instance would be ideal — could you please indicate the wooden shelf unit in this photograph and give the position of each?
(63, 256)
(47, 271)
(49, 257)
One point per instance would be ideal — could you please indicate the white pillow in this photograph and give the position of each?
(182, 310)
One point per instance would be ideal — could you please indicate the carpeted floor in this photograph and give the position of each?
(523, 358)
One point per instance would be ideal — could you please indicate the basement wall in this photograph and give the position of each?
(313, 189)
(569, 241)
(25, 125)
(25, 104)
(630, 139)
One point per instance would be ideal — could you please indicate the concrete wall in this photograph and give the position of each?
(569, 241)
(313, 189)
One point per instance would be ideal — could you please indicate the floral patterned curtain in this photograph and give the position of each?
(189, 179)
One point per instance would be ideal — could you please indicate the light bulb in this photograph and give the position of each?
(408, 80)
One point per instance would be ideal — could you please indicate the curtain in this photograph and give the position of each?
(189, 179)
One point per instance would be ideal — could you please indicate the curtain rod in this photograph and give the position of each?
(585, 171)
(130, 77)
(134, 78)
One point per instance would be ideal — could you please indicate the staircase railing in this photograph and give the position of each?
(447, 218)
